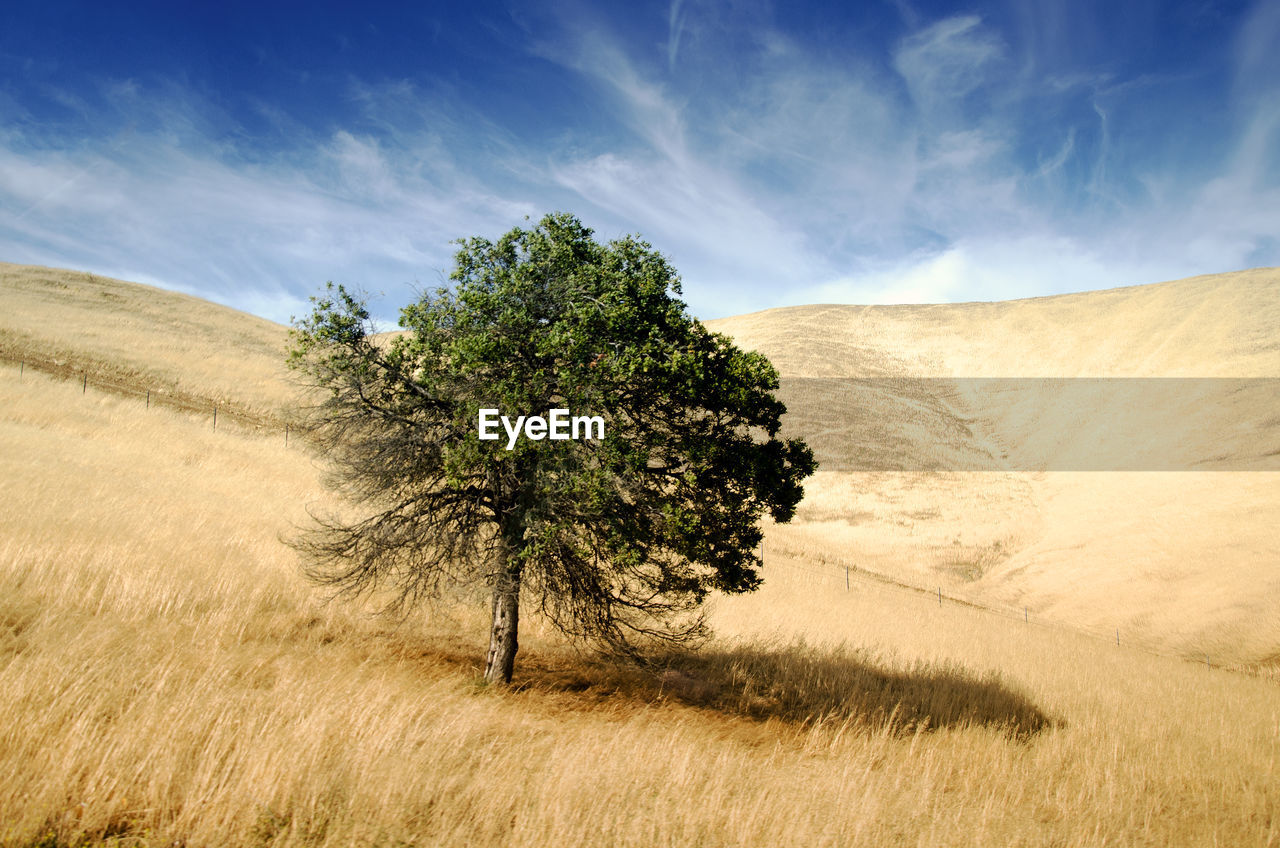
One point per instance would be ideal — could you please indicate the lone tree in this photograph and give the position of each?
(617, 540)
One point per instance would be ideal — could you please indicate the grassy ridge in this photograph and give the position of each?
(140, 336)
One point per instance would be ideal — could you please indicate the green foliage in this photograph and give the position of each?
(614, 538)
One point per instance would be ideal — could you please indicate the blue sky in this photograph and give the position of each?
(777, 154)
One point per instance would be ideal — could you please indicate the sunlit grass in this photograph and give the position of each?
(166, 676)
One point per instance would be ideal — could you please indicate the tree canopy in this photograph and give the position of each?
(616, 540)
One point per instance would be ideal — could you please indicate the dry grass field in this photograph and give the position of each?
(1179, 550)
(179, 346)
(167, 677)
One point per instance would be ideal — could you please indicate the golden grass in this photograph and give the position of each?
(1181, 561)
(130, 334)
(166, 677)
(1219, 325)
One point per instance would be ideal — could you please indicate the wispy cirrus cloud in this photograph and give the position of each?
(175, 208)
(941, 180)
(945, 62)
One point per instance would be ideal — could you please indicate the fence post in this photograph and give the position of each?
(846, 578)
(939, 596)
(1117, 636)
(148, 398)
(84, 387)
(286, 435)
(1206, 662)
(215, 416)
(1026, 615)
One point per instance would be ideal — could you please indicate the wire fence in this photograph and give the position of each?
(831, 571)
(839, 574)
(220, 412)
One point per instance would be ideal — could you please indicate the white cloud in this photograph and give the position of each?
(947, 60)
(189, 218)
(1256, 56)
(676, 20)
(991, 269)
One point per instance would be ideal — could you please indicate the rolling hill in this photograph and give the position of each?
(1109, 459)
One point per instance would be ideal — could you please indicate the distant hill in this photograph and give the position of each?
(1171, 391)
(1219, 325)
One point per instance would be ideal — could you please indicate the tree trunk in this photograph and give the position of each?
(506, 622)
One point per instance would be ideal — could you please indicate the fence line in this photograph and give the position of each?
(228, 411)
(825, 570)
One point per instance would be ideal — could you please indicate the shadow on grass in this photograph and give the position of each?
(799, 683)
(794, 683)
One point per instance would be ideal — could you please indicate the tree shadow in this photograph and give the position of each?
(792, 682)
(796, 684)
(800, 683)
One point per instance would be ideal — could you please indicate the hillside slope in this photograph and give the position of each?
(1109, 459)
(140, 336)
(1219, 325)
